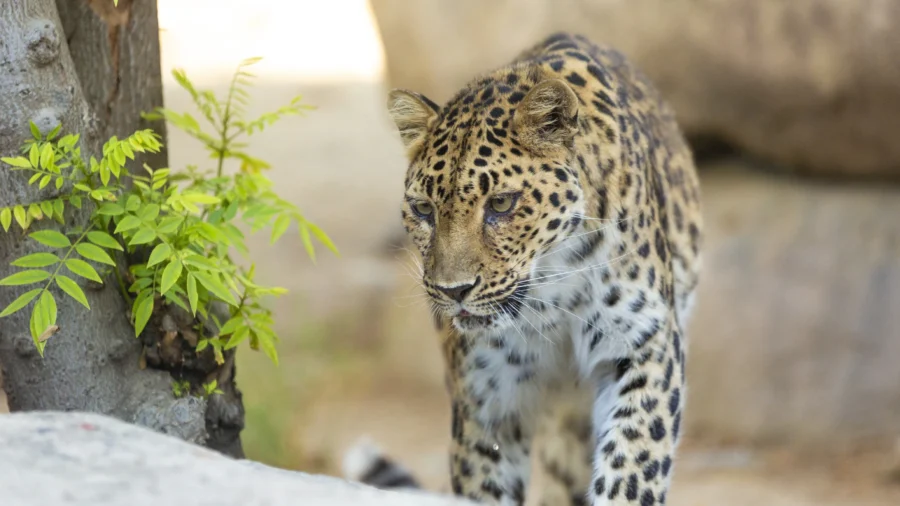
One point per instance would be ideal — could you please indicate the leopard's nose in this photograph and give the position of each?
(457, 292)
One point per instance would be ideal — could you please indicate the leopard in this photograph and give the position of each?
(555, 206)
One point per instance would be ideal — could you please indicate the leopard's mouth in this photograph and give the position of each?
(468, 321)
(507, 309)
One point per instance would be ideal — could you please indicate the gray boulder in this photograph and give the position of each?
(80, 459)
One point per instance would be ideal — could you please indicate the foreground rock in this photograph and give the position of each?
(810, 84)
(76, 459)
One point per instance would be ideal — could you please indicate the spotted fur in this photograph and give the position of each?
(585, 285)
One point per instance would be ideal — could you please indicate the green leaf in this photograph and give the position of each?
(59, 183)
(160, 252)
(149, 213)
(241, 334)
(20, 302)
(6, 218)
(143, 308)
(174, 297)
(268, 347)
(307, 242)
(83, 269)
(229, 280)
(21, 217)
(110, 209)
(201, 263)
(47, 207)
(192, 292)
(44, 182)
(141, 271)
(210, 232)
(68, 140)
(35, 211)
(104, 172)
(76, 201)
(170, 275)
(322, 237)
(140, 284)
(280, 227)
(118, 156)
(231, 325)
(34, 155)
(169, 224)
(201, 198)
(46, 155)
(190, 122)
(43, 318)
(127, 223)
(94, 253)
(212, 283)
(126, 150)
(25, 277)
(115, 168)
(53, 133)
(36, 260)
(35, 131)
(19, 161)
(143, 236)
(105, 240)
(133, 203)
(51, 238)
(231, 210)
(69, 286)
(49, 303)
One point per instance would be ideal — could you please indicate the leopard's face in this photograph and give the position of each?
(484, 200)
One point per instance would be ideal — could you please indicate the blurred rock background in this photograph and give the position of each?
(793, 107)
(807, 84)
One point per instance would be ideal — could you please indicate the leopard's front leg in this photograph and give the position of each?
(493, 389)
(638, 418)
(489, 463)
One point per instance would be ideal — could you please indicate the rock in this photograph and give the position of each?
(808, 84)
(796, 332)
(75, 459)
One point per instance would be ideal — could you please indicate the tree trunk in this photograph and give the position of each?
(93, 68)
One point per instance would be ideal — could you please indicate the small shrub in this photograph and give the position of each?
(186, 220)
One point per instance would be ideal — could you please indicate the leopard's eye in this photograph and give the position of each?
(502, 204)
(423, 209)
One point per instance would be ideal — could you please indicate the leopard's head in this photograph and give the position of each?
(491, 186)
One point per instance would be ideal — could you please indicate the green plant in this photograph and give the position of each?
(180, 388)
(211, 388)
(185, 220)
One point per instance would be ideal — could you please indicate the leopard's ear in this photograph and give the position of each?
(413, 114)
(547, 118)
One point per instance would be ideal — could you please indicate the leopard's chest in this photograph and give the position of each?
(582, 313)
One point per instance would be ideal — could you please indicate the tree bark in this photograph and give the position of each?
(93, 68)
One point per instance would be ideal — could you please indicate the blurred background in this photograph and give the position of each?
(793, 108)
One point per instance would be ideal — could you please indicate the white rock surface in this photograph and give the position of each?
(69, 459)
